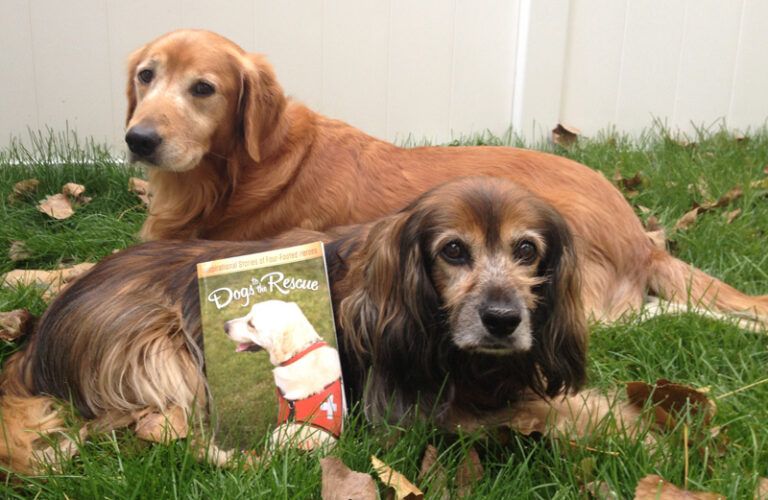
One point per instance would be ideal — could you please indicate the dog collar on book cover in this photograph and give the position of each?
(303, 352)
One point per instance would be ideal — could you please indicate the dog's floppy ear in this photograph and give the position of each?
(562, 331)
(261, 102)
(130, 90)
(389, 317)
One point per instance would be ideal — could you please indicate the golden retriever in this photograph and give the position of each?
(307, 371)
(231, 158)
(464, 307)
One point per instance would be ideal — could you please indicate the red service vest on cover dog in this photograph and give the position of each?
(324, 409)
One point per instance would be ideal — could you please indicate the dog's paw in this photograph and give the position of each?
(162, 427)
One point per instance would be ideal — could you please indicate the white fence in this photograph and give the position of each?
(431, 69)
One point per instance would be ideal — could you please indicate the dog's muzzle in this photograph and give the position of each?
(143, 141)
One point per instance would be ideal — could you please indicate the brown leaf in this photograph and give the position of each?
(15, 324)
(73, 190)
(600, 490)
(765, 169)
(469, 472)
(431, 470)
(23, 188)
(654, 487)
(631, 183)
(404, 489)
(57, 206)
(18, 251)
(762, 489)
(669, 400)
(342, 483)
(565, 135)
(51, 281)
(653, 224)
(687, 220)
(731, 215)
(732, 195)
(141, 188)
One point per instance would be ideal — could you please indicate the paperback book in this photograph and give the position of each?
(271, 357)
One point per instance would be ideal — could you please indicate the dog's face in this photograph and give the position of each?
(194, 93)
(475, 281)
(484, 263)
(278, 327)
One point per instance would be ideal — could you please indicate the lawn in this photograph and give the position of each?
(674, 175)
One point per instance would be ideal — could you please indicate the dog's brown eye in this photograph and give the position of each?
(146, 75)
(454, 252)
(525, 252)
(202, 89)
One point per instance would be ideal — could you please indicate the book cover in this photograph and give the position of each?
(271, 355)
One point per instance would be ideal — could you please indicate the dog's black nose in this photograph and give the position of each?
(226, 327)
(499, 320)
(142, 140)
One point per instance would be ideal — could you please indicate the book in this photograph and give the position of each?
(271, 357)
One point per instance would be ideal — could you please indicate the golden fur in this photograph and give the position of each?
(478, 335)
(245, 162)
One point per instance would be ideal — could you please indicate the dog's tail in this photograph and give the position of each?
(678, 282)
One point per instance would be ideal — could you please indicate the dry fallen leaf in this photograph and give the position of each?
(51, 281)
(653, 224)
(18, 251)
(15, 324)
(141, 188)
(762, 489)
(342, 483)
(731, 215)
(57, 206)
(600, 490)
(73, 190)
(565, 135)
(656, 488)
(431, 470)
(732, 195)
(404, 489)
(469, 472)
(23, 188)
(629, 183)
(669, 400)
(687, 220)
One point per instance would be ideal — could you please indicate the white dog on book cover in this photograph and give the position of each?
(307, 371)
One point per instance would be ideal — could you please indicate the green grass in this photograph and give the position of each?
(686, 349)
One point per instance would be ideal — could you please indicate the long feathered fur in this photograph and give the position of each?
(124, 340)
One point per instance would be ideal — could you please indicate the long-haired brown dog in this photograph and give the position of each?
(231, 158)
(463, 304)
